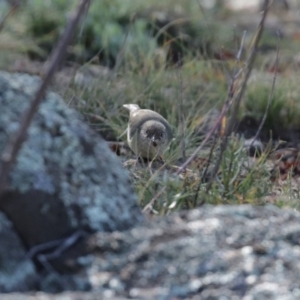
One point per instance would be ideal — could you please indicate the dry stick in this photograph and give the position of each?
(230, 98)
(226, 106)
(210, 133)
(208, 136)
(270, 98)
(13, 147)
(192, 157)
(233, 78)
(240, 92)
(227, 102)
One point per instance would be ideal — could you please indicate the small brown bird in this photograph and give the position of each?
(148, 134)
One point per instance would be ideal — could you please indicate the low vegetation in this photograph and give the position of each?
(175, 58)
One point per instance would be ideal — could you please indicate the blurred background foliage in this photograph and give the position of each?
(136, 28)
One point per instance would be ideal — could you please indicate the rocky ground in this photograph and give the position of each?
(225, 252)
(71, 224)
(60, 238)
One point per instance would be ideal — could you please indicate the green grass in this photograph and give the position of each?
(284, 110)
(128, 33)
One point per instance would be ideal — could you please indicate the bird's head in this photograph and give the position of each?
(156, 134)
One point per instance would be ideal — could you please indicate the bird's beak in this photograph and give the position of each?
(154, 143)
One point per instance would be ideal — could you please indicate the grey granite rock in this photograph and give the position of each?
(223, 252)
(16, 272)
(66, 178)
(62, 296)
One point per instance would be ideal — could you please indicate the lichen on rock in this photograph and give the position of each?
(65, 177)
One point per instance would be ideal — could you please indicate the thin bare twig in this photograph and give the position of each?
(208, 136)
(233, 78)
(193, 156)
(239, 89)
(13, 147)
(225, 108)
(235, 94)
